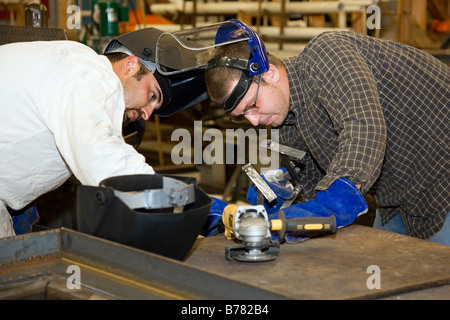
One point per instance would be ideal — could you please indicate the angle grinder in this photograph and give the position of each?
(251, 225)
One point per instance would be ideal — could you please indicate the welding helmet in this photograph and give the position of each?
(196, 46)
(180, 91)
(157, 213)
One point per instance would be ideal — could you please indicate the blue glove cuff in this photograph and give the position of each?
(342, 199)
(24, 222)
(214, 225)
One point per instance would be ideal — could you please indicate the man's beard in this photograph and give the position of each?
(127, 120)
(129, 88)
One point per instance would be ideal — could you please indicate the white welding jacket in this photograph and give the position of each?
(61, 112)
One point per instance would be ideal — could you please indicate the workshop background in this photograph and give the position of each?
(285, 26)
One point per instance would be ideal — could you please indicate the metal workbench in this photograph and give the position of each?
(338, 266)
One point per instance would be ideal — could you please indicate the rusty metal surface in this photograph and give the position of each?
(337, 266)
(35, 266)
(9, 34)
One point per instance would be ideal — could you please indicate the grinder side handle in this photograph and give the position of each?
(303, 226)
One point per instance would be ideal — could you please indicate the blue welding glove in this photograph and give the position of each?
(278, 181)
(23, 220)
(214, 225)
(342, 199)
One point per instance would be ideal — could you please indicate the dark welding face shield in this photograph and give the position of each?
(179, 91)
(196, 48)
(156, 213)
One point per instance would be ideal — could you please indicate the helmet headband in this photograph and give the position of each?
(179, 92)
(194, 47)
(240, 90)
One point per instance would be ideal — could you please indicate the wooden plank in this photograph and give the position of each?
(404, 19)
(419, 13)
(439, 9)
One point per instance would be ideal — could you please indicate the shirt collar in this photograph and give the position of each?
(290, 119)
(295, 90)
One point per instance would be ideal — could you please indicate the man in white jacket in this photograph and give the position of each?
(62, 111)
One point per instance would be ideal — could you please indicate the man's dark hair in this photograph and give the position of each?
(118, 56)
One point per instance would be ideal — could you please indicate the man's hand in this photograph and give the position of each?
(342, 200)
(278, 181)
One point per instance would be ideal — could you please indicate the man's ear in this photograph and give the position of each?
(272, 75)
(131, 66)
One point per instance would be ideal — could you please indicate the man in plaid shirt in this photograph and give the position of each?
(369, 111)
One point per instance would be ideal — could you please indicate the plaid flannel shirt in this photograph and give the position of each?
(376, 112)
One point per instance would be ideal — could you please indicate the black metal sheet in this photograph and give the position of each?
(107, 269)
(331, 267)
(340, 266)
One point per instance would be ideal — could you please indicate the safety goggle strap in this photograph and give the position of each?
(238, 93)
(244, 82)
